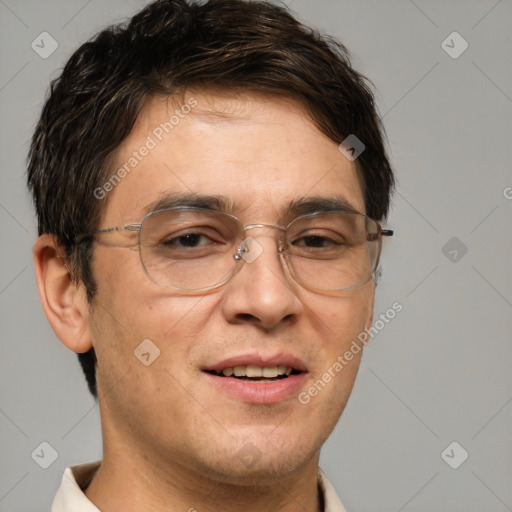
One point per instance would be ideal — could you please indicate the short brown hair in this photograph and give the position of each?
(167, 48)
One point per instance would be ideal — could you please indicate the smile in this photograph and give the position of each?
(257, 379)
(257, 373)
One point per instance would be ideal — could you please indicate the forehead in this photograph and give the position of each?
(258, 153)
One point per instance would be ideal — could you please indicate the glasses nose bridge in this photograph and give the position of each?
(282, 230)
(269, 226)
(243, 246)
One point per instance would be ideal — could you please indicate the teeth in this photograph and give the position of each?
(239, 371)
(270, 372)
(252, 371)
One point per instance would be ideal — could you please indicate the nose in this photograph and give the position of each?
(261, 293)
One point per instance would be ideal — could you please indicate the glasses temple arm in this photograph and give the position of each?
(130, 227)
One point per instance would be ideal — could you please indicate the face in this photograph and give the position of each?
(259, 154)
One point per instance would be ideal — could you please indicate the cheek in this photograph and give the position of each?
(343, 319)
(118, 273)
(340, 327)
(124, 289)
(132, 309)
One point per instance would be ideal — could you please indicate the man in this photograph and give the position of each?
(208, 181)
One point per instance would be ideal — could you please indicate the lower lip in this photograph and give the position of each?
(258, 392)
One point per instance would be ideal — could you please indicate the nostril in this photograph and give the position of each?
(246, 317)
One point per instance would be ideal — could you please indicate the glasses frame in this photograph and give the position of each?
(238, 256)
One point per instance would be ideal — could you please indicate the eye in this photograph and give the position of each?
(189, 240)
(323, 244)
(315, 241)
(318, 240)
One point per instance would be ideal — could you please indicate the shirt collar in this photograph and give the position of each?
(331, 501)
(71, 498)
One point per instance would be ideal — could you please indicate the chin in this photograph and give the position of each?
(262, 458)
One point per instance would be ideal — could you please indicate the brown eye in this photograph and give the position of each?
(189, 240)
(315, 241)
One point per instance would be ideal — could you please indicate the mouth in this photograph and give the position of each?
(253, 373)
(258, 380)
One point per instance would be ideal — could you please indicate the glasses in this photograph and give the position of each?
(195, 250)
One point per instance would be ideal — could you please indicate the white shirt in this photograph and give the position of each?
(70, 497)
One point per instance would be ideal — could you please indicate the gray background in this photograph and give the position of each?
(439, 372)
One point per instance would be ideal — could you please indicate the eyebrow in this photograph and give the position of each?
(319, 204)
(299, 206)
(192, 200)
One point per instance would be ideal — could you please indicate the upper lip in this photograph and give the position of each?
(259, 360)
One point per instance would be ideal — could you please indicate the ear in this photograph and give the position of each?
(369, 321)
(369, 315)
(64, 301)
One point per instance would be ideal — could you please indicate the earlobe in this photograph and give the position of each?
(369, 319)
(64, 301)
